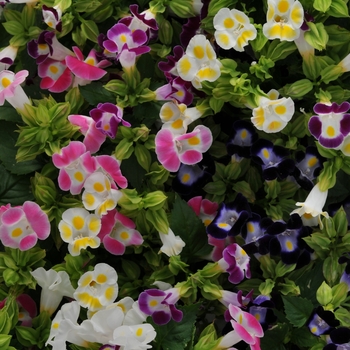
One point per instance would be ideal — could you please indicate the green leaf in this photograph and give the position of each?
(274, 338)
(133, 171)
(297, 310)
(185, 223)
(94, 93)
(303, 337)
(176, 335)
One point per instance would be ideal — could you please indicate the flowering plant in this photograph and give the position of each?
(174, 174)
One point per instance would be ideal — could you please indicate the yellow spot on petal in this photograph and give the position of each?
(210, 52)
(259, 117)
(78, 222)
(123, 38)
(20, 315)
(194, 140)
(94, 224)
(153, 303)
(185, 178)
(240, 18)
(280, 110)
(166, 112)
(274, 126)
(250, 227)
(228, 23)
(98, 187)
(101, 278)
(224, 39)
(244, 37)
(109, 293)
(5, 82)
(198, 52)
(53, 69)
(330, 131)
(283, 6)
(244, 134)
(289, 246)
(207, 222)
(177, 124)
(346, 149)
(307, 216)
(17, 232)
(139, 332)
(90, 61)
(223, 224)
(240, 319)
(89, 199)
(179, 93)
(42, 46)
(106, 127)
(124, 235)
(66, 232)
(86, 281)
(185, 65)
(79, 176)
(257, 316)
(313, 329)
(266, 153)
(207, 74)
(122, 307)
(297, 14)
(55, 325)
(312, 162)
(50, 24)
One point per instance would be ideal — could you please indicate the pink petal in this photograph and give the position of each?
(113, 246)
(64, 180)
(28, 242)
(68, 154)
(63, 82)
(46, 83)
(82, 121)
(195, 204)
(191, 157)
(107, 223)
(84, 70)
(38, 219)
(12, 215)
(111, 165)
(166, 150)
(127, 222)
(78, 53)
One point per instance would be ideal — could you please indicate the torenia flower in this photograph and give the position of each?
(97, 288)
(172, 150)
(11, 90)
(331, 124)
(284, 19)
(311, 209)
(273, 114)
(55, 285)
(233, 29)
(161, 305)
(7, 56)
(172, 245)
(79, 229)
(52, 17)
(21, 227)
(199, 62)
(26, 309)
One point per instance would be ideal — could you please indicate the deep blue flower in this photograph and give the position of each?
(340, 338)
(322, 321)
(262, 309)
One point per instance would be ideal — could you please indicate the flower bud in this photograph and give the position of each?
(165, 32)
(143, 156)
(324, 294)
(331, 73)
(338, 9)
(124, 149)
(182, 8)
(317, 36)
(339, 293)
(154, 200)
(298, 88)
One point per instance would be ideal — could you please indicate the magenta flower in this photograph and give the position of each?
(75, 164)
(187, 149)
(161, 305)
(110, 166)
(118, 232)
(56, 76)
(331, 124)
(108, 117)
(21, 227)
(94, 138)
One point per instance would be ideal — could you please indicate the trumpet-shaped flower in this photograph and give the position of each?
(107, 117)
(55, 285)
(161, 305)
(11, 90)
(172, 245)
(199, 62)
(331, 124)
(322, 321)
(21, 227)
(284, 19)
(7, 56)
(233, 29)
(98, 288)
(52, 17)
(273, 114)
(311, 209)
(79, 229)
(172, 150)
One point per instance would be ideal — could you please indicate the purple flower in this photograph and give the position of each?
(322, 321)
(331, 124)
(107, 117)
(161, 305)
(262, 309)
(170, 65)
(339, 336)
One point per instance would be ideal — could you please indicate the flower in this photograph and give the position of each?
(199, 62)
(284, 19)
(55, 285)
(52, 17)
(172, 245)
(21, 227)
(11, 90)
(107, 117)
(8, 56)
(79, 229)
(233, 29)
(311, 209)
(331, 124)
(172, 150)
(339, 339)
(322, 321)
(98, 288)
(161, 305)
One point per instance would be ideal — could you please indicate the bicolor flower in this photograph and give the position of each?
(118, 232)
(237, 299)
(339, 339)
(262, 309)
(322, 321)
(273, 114)
(171, 65)
(284, 19)
(199, 62)
(56, 76)
(11, 90)
(233, 29)
(98, 288)
(99, 194)
(273, 159)
(87, 70)
(230, 218)
(94, 138)
(8, 56)
(21, 227)
(172, 150)
(75, 164)
(55, 285)
(172, 245)
(331, 124)
(26, 309)
(235, 261)
(79, 229)
(311, 209)
(52, 17)
(161, 305)
(107, 117)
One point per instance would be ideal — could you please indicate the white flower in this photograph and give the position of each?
(172, 245)
(7, 54)
(55, 285)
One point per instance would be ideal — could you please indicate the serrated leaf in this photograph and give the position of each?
(95, 93)
(303, 337)
(297, 310)
(176, 335)
(185, 223)
(274, 338)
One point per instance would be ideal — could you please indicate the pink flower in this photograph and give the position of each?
(187, 149)
(94, 138)
(118, 232)
(111, 168)
(75, 164)
(21, 227)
